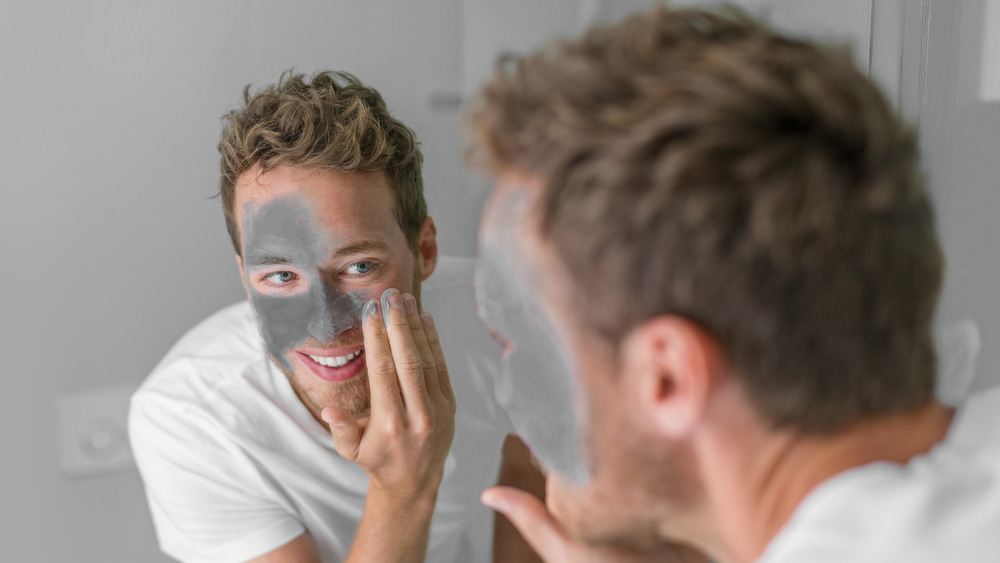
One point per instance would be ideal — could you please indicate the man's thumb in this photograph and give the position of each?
(344, 430)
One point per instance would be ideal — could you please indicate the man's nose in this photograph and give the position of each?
(333, 313)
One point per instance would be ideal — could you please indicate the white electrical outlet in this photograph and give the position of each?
(93, 439)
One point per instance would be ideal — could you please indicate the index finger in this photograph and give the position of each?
(378, 359)
(528, 514)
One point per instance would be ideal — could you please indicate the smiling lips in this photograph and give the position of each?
(335, 368)
(335, 361)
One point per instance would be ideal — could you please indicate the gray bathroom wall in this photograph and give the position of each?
(111, 245)
(952, 65)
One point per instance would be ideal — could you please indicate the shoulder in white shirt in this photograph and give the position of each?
(234, 464)
(940, 507)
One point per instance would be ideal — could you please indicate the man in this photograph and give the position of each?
(729, 233)
(317, 421)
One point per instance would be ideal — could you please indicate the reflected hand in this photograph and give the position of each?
(540, 529)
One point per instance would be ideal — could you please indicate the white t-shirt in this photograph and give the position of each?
(941, 507)
(234, 465)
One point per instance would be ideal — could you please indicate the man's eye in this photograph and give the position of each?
(280, 278)
(360, 268)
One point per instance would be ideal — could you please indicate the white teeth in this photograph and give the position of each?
(335, 361)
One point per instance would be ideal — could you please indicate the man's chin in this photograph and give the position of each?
(352, 396)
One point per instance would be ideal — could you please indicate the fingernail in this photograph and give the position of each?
(371, 310)
(386, 305)
(394, 301)
(409, 303)
(427, 318)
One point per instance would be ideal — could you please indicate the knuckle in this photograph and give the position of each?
(410, 362)
(423, 426)
(392, 425)
(428, 364)
(382, 365)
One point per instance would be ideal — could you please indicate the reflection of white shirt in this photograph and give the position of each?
(235, 466)
(941, 507)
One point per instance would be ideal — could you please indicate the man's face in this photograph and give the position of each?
(535, 382)
(557, 378)
(316, 245)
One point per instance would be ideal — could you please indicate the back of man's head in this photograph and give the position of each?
(333, 122)
(698, 164)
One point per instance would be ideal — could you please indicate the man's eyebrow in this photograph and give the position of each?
(361, 247)
(268, 260)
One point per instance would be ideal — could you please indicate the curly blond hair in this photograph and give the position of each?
(332, 122)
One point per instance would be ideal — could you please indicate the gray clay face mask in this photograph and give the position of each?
(283, 233)
(535, 385)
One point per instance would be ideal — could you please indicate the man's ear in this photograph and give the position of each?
(674, 366)
(427, 249)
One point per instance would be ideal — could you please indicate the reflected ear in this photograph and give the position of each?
(427, 249)
(674, 366)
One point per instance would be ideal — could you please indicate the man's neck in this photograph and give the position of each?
(756, 478)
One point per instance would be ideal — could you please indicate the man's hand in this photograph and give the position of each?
(530, 516)
(404, 442)
(519, 470)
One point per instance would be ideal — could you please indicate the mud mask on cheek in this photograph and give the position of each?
(535, 385)
(281, 233)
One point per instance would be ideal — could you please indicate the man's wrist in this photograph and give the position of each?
(404, 515)
(413, 501)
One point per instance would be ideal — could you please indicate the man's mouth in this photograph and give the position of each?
(334, 366)
(335, 361)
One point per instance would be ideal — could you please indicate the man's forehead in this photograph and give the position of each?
(283, 231)
(511, 218)
(513, 227)
(352, 203)
(258, 187)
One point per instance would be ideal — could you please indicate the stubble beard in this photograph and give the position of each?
(630, 471)
(351, 395)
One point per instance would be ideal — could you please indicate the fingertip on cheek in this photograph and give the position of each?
(409, 303)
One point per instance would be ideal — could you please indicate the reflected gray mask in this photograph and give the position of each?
(284, 231)
(535, 386)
